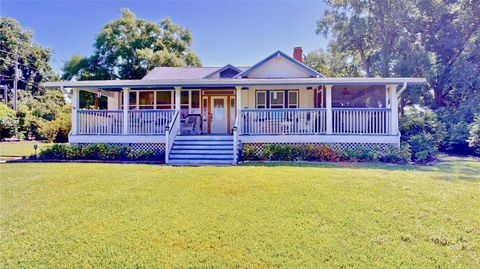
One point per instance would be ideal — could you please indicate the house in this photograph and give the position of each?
(199, 115)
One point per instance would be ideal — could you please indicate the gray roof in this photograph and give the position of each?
(182, 73)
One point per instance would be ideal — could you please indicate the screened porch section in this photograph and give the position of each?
(338, 110)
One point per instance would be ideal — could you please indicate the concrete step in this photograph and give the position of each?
(201, 157)
(202, 147)
(203, 142)
(202, 151)
(201, 162)
(203, 137)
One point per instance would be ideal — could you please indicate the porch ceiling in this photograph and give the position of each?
(116, 85)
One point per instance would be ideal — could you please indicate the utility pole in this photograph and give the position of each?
(15, 83)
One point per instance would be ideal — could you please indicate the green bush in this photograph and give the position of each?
(423, 147)
(326, 153)
(97, 152)
(285, 152)
(141, 155)
(8, 121)
(393, 154)
(249, 153)
(474, 134)
(54, 152)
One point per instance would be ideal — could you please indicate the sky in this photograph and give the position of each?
(224, 32)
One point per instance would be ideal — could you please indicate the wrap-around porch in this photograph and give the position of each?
(296, 112)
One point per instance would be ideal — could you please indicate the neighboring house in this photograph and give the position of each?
(205, 114)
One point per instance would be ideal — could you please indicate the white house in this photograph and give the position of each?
(200, 115)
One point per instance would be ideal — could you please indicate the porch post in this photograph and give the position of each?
(238, 99)
(328, 105)
(394, 108)
(75, 107)
(126, 106)
(178, 91)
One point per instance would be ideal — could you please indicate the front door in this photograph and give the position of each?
(219, 115)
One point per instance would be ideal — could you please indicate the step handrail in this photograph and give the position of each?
(235, 138)
(170, 134)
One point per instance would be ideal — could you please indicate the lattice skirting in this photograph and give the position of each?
(341, 146)
(159, 148)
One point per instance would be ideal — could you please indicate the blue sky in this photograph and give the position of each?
(236, 32)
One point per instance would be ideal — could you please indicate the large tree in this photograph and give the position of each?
(128, 48)
(33, 59)
(439, 40)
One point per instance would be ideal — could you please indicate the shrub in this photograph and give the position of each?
(49, 130)
(474, 134)
(249, 153)
(393, 154)
(141, 155)
(286, 152)
(323, 154)
(8, 121)
(265, 154)
(55, 152)
(423, 147)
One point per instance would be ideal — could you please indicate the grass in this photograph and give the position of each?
(19, 149)
(279, 215)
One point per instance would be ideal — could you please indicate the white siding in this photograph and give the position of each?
(279, 67)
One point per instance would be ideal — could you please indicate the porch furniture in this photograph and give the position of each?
(190, 124)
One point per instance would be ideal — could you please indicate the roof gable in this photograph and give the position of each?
(279, 65)
(228, 71)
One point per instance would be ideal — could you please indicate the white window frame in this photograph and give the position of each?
(297, 93)
(256, 99)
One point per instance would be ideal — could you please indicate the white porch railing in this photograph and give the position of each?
(170, 134)
(99, 121)
(149, 121)
(283, 121)
(140, 122)
(361, 120)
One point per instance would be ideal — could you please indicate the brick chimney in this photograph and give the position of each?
(298, 54)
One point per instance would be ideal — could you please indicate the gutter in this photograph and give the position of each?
(401, 90)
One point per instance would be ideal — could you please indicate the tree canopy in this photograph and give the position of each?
(34, 60)
(438, 40)
(128, 48)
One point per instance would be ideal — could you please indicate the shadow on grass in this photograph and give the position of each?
(464, 168)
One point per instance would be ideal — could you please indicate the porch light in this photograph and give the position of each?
(35, 146)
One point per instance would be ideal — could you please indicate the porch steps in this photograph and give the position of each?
(202, 150)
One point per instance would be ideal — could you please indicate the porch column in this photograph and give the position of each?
(238, 98)
(392, 89)
(178, 91)
(126, 106)
(328, 105)
(75, 107)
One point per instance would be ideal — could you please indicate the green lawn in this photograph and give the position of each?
(144, 216)
(19, 149)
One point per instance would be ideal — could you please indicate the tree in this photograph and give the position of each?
(34, 60)
(332, 63)
(128, 48)
(438, 40)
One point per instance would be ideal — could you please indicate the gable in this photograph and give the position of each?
(228, 71)
(279, 65)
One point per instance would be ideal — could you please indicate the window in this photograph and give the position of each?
(277, 99)
(261, 99)
(195, 99)
(165, 100)
(292, 99)
(132, 100)
(145, 100)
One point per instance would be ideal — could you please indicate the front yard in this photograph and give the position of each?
(346, 215)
